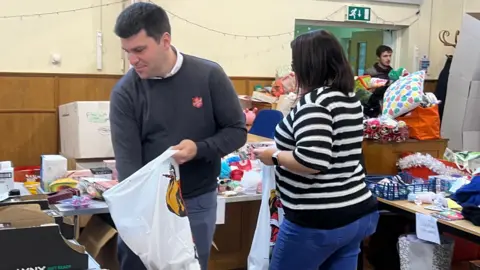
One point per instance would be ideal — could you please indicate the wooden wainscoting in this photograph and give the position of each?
(430, 85)
(29, 104)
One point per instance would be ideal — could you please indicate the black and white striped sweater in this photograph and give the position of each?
(325, 132)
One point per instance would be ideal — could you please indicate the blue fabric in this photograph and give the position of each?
(225, 170)
(313, 249)
(265, 123)
(233, 159)
(469, 194)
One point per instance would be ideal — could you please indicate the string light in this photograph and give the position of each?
(234, 35)
(39, 15)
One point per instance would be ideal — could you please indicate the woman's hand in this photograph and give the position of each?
(265, 155)
(285, 159)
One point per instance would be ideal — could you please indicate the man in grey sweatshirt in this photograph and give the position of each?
(173, 99)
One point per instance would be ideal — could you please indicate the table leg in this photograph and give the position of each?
(76, 227)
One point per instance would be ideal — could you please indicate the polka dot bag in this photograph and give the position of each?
(404, 95)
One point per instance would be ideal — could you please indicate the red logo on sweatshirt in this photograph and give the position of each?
(197, 102)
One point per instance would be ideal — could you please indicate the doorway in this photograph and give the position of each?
(359, 44)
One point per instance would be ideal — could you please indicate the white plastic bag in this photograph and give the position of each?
(269, 219)
(150, 216)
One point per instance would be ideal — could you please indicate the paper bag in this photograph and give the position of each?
(269, 219)
(151, 218)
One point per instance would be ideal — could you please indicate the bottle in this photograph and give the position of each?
(424, 63)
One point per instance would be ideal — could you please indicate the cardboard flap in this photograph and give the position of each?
(96, 235)
(24, 216)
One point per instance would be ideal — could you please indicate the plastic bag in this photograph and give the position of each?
(269, 219)
(423, 123)
(151, 218)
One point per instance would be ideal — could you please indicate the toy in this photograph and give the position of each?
(396, 74)
(385, 130)
(284, 85)
(77, 201)
(250, 115)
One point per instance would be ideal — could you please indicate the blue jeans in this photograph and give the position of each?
(202, 214)
(313, 249)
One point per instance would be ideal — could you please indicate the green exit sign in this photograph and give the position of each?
(359, 14)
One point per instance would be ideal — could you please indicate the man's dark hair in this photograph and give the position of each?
(383, 48)
(318, 60)
(142, 16)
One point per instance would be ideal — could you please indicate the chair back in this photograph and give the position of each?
(265, 123)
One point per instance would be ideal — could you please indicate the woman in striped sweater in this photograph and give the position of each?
(328, 208)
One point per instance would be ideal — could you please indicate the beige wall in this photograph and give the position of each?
(27, 43)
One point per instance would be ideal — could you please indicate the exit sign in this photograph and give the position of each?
(359, 14)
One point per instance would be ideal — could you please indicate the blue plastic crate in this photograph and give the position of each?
(394, 191)
(442, 183)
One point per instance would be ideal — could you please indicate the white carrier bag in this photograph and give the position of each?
(150, 216)
(269, 219)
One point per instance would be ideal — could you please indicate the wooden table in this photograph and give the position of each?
(461, 228)
(254, 138)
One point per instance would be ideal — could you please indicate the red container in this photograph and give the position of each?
(20, 173)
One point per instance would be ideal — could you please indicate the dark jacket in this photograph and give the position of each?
(378, 72)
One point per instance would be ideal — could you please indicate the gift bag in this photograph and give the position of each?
(151, 218)
(423, 123)
(269, 219)
(416, 254)
(361, 89)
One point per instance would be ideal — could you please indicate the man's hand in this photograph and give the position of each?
(187, 150)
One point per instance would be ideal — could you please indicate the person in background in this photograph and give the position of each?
(328, 208)
(173, 99)
(382, 67)
(380, 70)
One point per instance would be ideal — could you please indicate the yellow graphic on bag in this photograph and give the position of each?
(174, 198)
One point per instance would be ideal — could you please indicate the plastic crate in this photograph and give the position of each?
(394, 191)
(442, 183)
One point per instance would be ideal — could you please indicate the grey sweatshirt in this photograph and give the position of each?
(197, 103)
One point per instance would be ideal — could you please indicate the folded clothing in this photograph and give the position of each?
(469, 194)
(472, 214)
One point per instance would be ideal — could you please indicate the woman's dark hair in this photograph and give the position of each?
(318, 60)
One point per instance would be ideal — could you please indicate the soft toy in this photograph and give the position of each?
(250, 115)
(385, 130)
(284, 85)
(396, 74)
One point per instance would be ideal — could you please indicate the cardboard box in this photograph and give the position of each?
(37, 241)
(85, 130)
(6, 176)
(474, 265)
(52, 168)
(462, 107)
(459, 123)
(100, 240)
